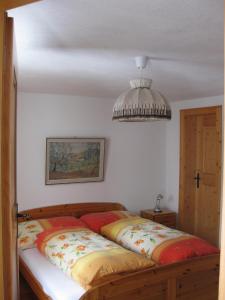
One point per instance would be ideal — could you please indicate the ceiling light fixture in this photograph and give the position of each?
(141, 102)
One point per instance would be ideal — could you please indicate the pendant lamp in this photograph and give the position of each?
(141, 102)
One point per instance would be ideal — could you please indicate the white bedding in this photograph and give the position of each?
(53, 281)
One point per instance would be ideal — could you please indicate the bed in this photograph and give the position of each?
(191, 279)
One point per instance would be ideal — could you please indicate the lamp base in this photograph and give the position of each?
(157, 210)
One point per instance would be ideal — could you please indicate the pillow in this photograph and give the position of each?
(97, 220)
(28, 231)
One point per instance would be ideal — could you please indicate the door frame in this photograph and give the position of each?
(4, 210)
(9, 4)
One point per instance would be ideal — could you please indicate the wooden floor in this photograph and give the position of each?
(25, 291)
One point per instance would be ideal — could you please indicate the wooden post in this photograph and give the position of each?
(4, 6)
(222, 231)
(222, 234)
(2, 27)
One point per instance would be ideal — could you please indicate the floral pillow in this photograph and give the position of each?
(28, 231)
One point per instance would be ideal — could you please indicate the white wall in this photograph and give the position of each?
(135, 153)
(142, 159)
(172, 145)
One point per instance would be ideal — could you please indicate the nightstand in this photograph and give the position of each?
(166, 217)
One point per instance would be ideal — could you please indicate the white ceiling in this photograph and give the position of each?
(86, 47)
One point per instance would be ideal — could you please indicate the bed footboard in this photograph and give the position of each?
(195, 279)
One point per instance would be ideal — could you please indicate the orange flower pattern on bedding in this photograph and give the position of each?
(86, 256)
(158, 242)
(139, 235)
(62, 237)
(28, 231)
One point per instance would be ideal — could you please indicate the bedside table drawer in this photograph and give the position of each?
(169, 223)
(167, 218)
(146, 215)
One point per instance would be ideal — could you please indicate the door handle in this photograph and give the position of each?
(19, 215)
(197, 178)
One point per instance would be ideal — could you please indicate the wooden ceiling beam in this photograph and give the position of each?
(10, 4)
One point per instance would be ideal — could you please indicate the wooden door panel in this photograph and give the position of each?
(209, 150)
(207, 220)
(209, 120)
(190, 159)
(208, 204)
(200, 154)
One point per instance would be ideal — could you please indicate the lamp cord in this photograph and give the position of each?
(141, 72)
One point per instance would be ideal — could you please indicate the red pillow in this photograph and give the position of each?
(185, 249)
(66, 221)
(96, 220)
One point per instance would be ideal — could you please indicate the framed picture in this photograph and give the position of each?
(70, 160)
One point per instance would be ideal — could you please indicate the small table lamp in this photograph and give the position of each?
(157, 208)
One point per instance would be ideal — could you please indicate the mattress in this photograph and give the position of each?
(54, 282)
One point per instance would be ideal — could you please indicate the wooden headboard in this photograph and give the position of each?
(74, 209)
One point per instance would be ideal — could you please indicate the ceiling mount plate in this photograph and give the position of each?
(141, 61)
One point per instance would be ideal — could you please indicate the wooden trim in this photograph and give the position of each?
(74, 209)
(181, 162)
(200, 110)
(222, 233)
(2, 30)
(7, 169)
(10, 4)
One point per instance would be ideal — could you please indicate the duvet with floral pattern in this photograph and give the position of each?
(162, 244)
(88, 257)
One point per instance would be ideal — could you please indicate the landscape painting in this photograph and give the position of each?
(70, 160)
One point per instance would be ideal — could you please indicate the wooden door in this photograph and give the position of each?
(200, 172)
(8, 168)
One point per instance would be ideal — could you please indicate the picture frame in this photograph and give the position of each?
(74, 160)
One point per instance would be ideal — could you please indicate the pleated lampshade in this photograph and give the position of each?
(141, 103)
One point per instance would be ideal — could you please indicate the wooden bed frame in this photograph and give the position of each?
(194, 279)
